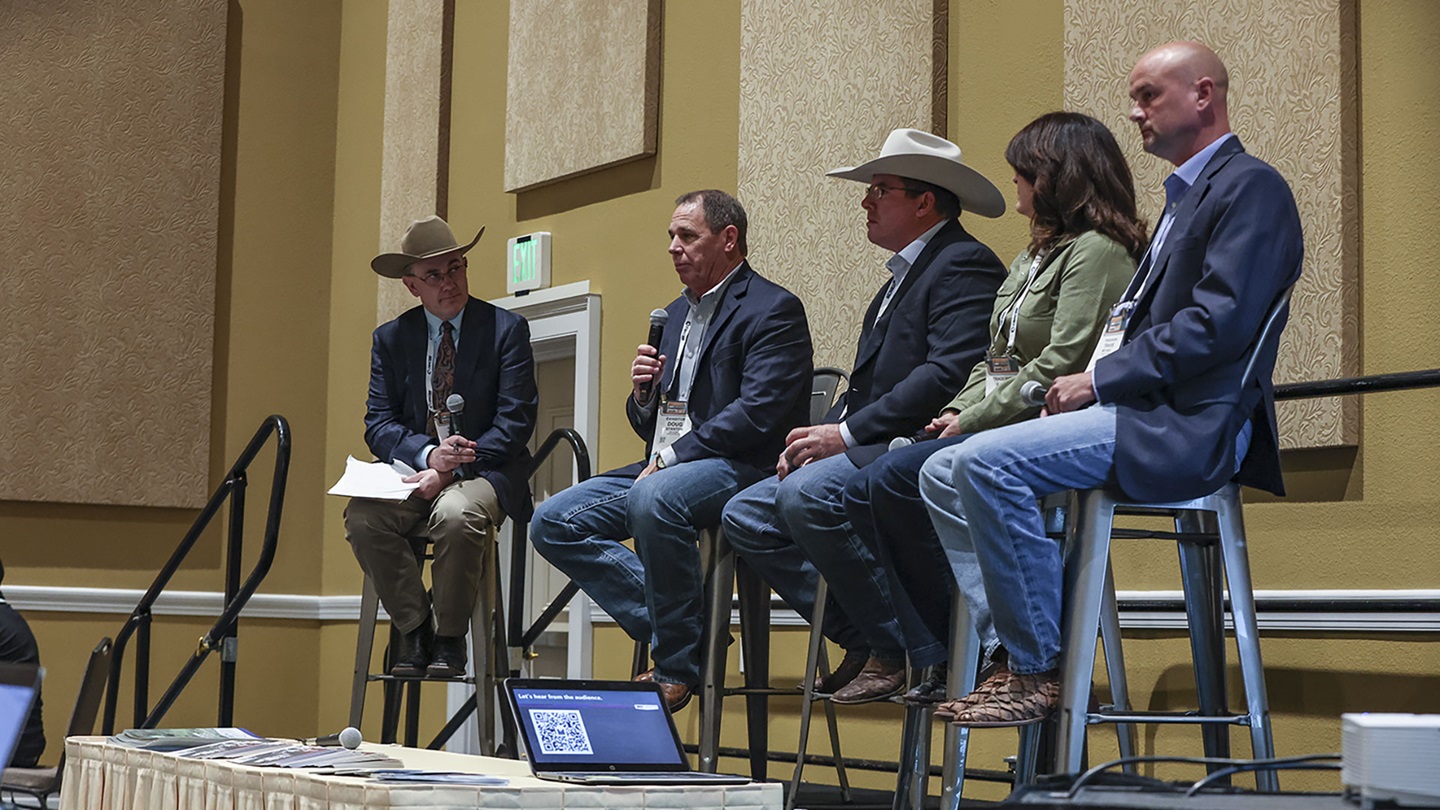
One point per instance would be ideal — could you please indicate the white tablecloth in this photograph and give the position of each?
(102, 776)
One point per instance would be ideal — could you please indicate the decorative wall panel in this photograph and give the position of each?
(1293, 103)
(821, 85)
(584, 87)
(110, 130)
(415, 166)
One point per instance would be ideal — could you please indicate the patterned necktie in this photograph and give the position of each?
(442, 379)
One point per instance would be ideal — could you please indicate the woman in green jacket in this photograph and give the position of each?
(1074, 185)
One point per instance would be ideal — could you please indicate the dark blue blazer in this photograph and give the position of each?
(494, 372)
(752, 384)
(1235, 247)
(910, 364)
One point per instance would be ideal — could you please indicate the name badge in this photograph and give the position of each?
(673, 422)
(1114, 334)
(442, 424)
(998, 369)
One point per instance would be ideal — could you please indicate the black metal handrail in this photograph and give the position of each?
(1399, 381)
(517, 635)
(223, 635)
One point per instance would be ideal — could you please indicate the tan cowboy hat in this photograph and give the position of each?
(922, 156)
(424, 238)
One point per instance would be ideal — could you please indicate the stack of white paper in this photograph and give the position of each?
(376, 480)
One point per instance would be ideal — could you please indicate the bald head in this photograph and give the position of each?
(1179, 92)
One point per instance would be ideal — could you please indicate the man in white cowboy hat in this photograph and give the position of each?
(924, 330)
(473, 465)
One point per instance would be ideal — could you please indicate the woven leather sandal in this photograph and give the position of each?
(1017, 701)
(952, 709)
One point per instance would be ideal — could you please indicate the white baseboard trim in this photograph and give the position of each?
(346, 608)
(303, 607)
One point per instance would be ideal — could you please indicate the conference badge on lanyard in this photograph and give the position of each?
(673, 422)
(998, 369)
(1114, 334)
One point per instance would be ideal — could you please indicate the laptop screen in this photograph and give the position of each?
(18, 684)
(595, 725)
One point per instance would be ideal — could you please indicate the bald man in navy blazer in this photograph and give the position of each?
(468, 482)
(1164, 413)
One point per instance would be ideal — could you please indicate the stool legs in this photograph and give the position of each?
(718, 566)
(1247, 637)
(815, 659)
(1204, 613)
(755, 652)
(964, 662)
(1087, 561)
(364, 648)
(1115, 669)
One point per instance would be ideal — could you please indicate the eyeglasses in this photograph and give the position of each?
(877, 192)
(438, 277)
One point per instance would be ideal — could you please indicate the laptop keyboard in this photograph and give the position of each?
(657, 776)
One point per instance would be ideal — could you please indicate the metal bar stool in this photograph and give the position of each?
(1211, 536)
(964, 663)
(721, 579)
(488, 660)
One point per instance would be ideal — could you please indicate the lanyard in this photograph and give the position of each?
(1013, 313)
(684, 382)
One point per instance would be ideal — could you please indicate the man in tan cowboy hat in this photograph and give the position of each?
(472, 460)
(923, 332)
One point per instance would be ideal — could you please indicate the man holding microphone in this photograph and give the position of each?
(713, 403)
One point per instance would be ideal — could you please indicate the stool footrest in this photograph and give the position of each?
(774, 691)
(1177, 718)
(423, 678)
(1158, 534)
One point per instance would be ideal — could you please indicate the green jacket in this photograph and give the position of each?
(1060, 323)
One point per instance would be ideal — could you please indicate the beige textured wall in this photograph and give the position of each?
(1297, 58)
(821, 85)
(415, 168)
(111, 145)
(583, 87)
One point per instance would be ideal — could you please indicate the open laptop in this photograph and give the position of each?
(602, 733)
(19, 683)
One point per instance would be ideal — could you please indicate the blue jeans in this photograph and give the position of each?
(884, 507)
(794, 531)
(654, 592)
(983, 496)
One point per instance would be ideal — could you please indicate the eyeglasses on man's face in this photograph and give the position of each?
(435, 278)
(877, 191)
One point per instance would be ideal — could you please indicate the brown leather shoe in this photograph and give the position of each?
(877, 681)
(677, 695)
(844, 673)
(646, 676)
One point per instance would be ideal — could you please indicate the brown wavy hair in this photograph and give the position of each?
(1082, 182)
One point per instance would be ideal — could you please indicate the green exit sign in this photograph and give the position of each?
(529, 259)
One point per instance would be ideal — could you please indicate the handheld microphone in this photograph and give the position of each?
(658, 317)
(905, 441)
(455, 404)
(1033, 393)
(349, 738)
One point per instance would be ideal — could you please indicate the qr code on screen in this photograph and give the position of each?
(560, 731)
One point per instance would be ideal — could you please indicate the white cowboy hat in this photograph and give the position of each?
(922, 156)
(424, 238)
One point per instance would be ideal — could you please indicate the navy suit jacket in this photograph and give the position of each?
(1235, 246)
(909, 365)
(752, 379)
(494, 372)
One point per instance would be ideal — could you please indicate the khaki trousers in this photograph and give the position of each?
(389, 541)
